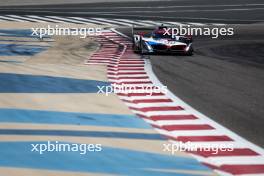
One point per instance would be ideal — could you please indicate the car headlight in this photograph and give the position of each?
(188, 47)
(148, 46)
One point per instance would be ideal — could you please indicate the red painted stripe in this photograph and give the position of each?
(173, 108)
(129, 57)
(130, 60)
(135, 82)
(128, 66)
(185, 127)
(129, 77)
(139, 77)
(234, 152)
(105, 55)
(239, 169)
(127, 69)
(133, 88)
(127, 62)
(124, 73)
(243, 169)
(149, 101)
(152, 101)
(169, 117)
(201, 138)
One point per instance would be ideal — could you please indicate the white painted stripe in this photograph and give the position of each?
(129, 80)
(27, 19)
(178, 122)
(131, 84)
(186, 133)
(113, 21)
(132, 61)
(12, 19)
(218, 24)
(156, 23)
(128, 75)
(43, 18)
(64, 19)
(90, 21)
(176, 23)
(50, 19)
(131, 64)
(97, 61)
(116, 71)
(197, 24)
(141, 105)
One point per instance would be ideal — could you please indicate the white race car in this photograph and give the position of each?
(161, 42)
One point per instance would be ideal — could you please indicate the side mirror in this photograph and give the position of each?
(136, 38)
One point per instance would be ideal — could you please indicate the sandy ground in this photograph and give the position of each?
(65, 58)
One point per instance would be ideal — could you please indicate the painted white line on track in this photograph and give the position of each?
(89, 20)
(112, 21)
(43, 19)
(199, 131)
(198, 114)
(12, 19)
(64, 19)
(27, 19)
(136, 22)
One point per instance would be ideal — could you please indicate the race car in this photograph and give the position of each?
(160, 41)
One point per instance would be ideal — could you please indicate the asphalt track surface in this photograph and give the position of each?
(224, 79)
(204, 11)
